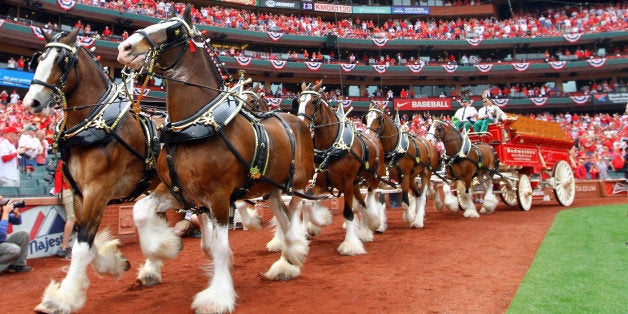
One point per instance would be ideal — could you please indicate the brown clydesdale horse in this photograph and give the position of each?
(108, 153)
(215, 153)
(407, 157)
(465, 161)
(346, 159)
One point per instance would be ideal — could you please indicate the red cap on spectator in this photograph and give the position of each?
(9, 129)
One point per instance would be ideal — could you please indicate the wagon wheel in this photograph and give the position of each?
(507, 194)
(524, 192)
(460, 194)
(564, 183)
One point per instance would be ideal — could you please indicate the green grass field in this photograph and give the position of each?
(581, 266)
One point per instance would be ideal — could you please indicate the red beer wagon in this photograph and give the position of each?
(533, 155)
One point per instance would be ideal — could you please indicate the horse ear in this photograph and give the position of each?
(47, 37)
(318, 86)
(187, 14)
(71, 37)
(303, 86)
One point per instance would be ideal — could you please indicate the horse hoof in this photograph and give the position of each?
(127, 264)
(48, 308)
(149, 281)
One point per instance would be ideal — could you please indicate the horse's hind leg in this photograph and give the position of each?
(381, 207)
(315, 216)
(490, 200)
(450, 200)
(157, 240)
(470, 210)
(250, 217)
(433, 193)
(295, 245)
(108, 259)
(420, 202)
(220, 296)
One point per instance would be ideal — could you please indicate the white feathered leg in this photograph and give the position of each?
(490, 200)
(250, 217)
(315, 216)
(364, 233)
(296, 246)
(381, 207)
(70, 295)
(157, 240)
(420, 209)
(220, 296)
(409, 209)
(372, 213)
(450, 200)
(470, 211)
(276, 243)
(351, 244)
(438, 202)
(108, 259)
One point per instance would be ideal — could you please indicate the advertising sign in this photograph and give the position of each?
(610, 98)
(423, 104)
(280, 4)
(45, 225)
(245, 2)
(15, 78)
(615, 188)
(521, 154)
(338, 8)
(365, 9)
(307, 5)
(410, 10)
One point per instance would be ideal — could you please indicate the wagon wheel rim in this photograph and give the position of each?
(524, 192)
(460, 194)
(508, 194)
(564, 183)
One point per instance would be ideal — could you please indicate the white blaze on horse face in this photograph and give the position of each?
(42, 73)
(430, 134)
(370, 117)
(304, 99)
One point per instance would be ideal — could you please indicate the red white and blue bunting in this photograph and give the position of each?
(278, 64)
(538, 101)
(243, 61)
(415, 68)
(580, 100)
(346, 104)
(521, 66)
(274, 103)
(501, 102)
(557, 65)
(347, 67)
(484, 68)
(313, 66)
(66, 4)
(380, 42)
(380, 103)
(137, 90)
(38, 32)
(381, 69)
(87, 42)
(275, 36)
(596, 63)
(474, 41)
(572, 38)
(450, 68)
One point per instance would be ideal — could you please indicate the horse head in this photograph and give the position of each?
(56, 73)
(159, 43)
(310, 102)
(375, 119)
(436, 132)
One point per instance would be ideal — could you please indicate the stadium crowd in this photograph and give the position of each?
(573, 19)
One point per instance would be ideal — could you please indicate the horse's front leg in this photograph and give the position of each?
(409, 202)
(470, 210)
(157, 240)
(351, 245)
(315, 216)
(449, 199)
(70, 295)
(420, 202)
(295, 245)
(433, 193)
(250, 217)
(220, 296)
